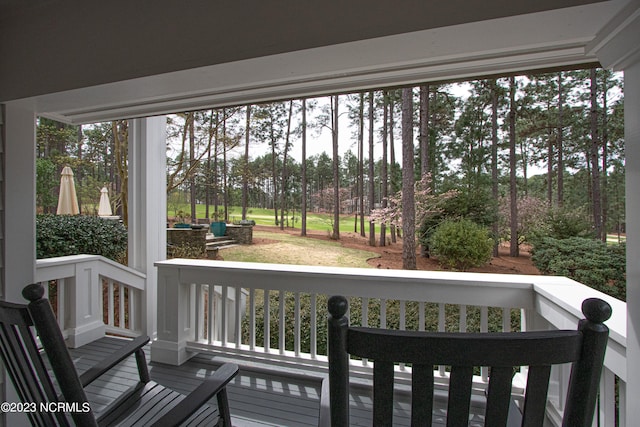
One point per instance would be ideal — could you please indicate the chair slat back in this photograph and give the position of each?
(25, 366)
(463, 352)
(53, 343)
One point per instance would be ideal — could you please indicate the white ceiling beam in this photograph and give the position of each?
(505, 45)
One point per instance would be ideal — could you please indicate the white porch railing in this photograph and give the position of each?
(291, 301)
(93, 295)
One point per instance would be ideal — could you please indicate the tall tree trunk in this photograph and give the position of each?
(192, 166)
(336, 169)
(525, 168)
(79, 172)
(494, 156)
(245, 175)
(303, 208)
(216, 171)
(424, 130)
(408, 196)
(560, 141)
(372, 189)
(225, 189)
(207, 192)
(605, 154)
(514, 249)
(216, 177)
(283, 185)
(120, 130)
(392, 159)
(361, 163)
(385, 184)
(550, 155)
(424, 144)
(432, 144)
(274, 176)
(595, 167)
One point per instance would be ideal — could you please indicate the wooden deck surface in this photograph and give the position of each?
(256, 398)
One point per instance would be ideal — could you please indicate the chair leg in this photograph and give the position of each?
(223, 408)
(143, 370)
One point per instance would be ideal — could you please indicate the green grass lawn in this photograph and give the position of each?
(613, 239)
(298, 250)
(315, 221)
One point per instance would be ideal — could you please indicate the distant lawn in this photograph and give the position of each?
(613, 239)
(315, 221)
(299, 251)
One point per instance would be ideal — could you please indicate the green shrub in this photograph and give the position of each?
(60, 235)
(461, 244)
(412, 319)
(479, 207)
(587, 261)
(562, 224)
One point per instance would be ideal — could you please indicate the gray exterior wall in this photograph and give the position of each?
(56, 45)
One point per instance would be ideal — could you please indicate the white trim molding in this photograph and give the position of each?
(617, 46)
(521, 43)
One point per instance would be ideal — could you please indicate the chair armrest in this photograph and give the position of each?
(324, 420)
(198, 397)
(113, 359)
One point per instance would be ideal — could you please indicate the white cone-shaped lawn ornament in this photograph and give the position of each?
(104, 209)
(67, 199)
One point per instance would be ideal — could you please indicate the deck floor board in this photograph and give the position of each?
(256, 398)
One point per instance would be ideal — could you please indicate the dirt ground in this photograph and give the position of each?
(390, 256)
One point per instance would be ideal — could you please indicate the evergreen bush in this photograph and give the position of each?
(561, 224)
(461, 244)
(587, 261)
(60, 235)
(413, 319)
(478, 207)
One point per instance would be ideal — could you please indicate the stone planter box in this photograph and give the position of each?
(187, 237)
(243, 234)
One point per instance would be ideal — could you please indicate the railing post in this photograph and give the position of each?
(176, 323)
(338, 361)
(586, 372)
(83, 319)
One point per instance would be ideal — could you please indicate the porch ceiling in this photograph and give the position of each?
(353, 49)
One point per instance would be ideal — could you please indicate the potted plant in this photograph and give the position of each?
(218, 228)
(180, 218)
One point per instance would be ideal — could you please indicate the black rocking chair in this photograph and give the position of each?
(148, 403)
(501, 352)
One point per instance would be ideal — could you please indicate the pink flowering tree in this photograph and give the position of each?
(427, 204)
(533, 213)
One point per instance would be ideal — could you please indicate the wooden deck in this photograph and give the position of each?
(257, 398)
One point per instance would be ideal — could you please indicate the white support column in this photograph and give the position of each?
(632, 153)
(147, 207)
(20, 199)
(617, 47)
(19, 225)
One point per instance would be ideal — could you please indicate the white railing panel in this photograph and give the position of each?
(94, 296)
(457, 301)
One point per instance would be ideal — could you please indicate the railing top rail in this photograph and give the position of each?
(568, 296)
(59, 267)
(428, 286)
(524, 280)
(443, 286)
(74, 259)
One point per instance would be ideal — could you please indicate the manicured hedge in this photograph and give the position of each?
(461, 244)
(588, 261)
(412, 319)
(60, 235)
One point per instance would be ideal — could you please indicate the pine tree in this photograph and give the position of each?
(408, 181)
